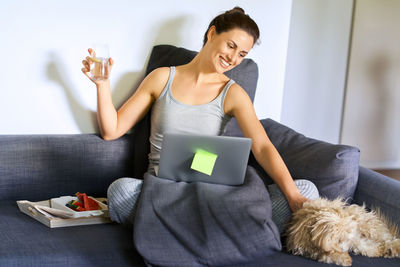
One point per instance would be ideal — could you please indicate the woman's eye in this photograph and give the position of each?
(242, 55)
(230, 45)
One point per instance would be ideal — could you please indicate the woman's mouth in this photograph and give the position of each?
(223, 62)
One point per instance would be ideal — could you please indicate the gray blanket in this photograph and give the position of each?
(200, 224)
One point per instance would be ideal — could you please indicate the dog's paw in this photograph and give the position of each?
(344, 259)
(337, 258)
(392, 249)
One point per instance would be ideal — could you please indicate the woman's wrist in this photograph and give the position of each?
(290, 190)
(296, 202)
(294, 196)
(103, 84)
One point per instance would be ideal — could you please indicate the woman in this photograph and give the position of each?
(179, 94)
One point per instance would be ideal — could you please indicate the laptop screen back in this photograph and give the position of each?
(200, 158)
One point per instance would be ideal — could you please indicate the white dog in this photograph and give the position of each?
(327, 231)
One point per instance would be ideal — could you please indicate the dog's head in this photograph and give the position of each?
(334, 231)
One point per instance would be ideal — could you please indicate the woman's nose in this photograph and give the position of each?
(232, 58)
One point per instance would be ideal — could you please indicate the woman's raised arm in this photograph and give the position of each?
(113, 124)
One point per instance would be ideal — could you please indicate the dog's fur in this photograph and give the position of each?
(327, 230)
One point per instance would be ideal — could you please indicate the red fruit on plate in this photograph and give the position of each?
(92, 204)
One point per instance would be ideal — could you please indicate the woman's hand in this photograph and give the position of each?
(296, 202)
(86, 69)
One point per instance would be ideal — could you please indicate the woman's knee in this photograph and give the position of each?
(307, 188)
(125, 184)
(122, 196)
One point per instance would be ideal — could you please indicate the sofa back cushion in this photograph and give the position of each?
(245, 74)
(39, 167)
(332, 168)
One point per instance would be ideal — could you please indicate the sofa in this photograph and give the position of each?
(40, 167)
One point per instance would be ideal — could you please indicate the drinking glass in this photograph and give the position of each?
(99, 68)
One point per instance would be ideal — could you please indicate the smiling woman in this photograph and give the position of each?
(228, 48)
(197, 98)
(233, 34)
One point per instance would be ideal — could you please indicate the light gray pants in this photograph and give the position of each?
(281, 212)
(123, 195)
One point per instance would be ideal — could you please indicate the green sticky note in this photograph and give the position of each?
(204, 161)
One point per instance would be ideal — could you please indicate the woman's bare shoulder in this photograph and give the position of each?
(156, 80)
(236, 91)
(236, 97)
(161, 73)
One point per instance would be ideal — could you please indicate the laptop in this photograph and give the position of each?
(204, 158)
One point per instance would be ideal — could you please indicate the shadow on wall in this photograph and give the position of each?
(170, 32)
(380, 126)
(86, 120)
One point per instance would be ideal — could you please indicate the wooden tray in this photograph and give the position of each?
(54, 222)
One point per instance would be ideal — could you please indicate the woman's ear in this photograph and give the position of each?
(211, 33)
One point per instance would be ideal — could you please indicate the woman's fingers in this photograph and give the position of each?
(92, 53)
(110, 64)
(86, 64)
(89, 60)
(86, 72)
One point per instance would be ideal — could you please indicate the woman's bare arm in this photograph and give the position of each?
(113, 124)
(240, 106)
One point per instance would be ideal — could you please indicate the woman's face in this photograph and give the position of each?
(228, 49)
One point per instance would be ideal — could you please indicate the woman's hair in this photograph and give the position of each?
(231, 19)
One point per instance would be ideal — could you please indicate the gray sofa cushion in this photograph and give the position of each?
(27, 242)
(245, 74)
(332, 168)
(38, 167)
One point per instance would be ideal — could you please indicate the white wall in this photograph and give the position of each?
(371, 117)
(316, 67)
(43, 44)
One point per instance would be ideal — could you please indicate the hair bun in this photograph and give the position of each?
(233, 19)
(236, 9)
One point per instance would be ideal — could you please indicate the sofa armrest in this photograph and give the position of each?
(379, 191)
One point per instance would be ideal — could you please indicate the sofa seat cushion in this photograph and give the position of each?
(27, 242)
(332, 168)
(284, 259)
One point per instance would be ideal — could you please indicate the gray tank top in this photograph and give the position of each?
(170, 115)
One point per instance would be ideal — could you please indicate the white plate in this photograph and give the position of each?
(59, 203)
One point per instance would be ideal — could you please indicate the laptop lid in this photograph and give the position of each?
(204, 158)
